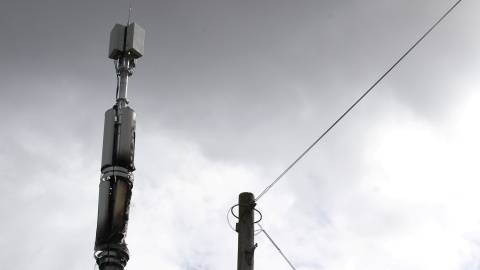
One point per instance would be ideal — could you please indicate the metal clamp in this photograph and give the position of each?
(116, 171)
(111, 257)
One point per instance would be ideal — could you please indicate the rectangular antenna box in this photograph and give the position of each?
(117, 37)
(134, 41)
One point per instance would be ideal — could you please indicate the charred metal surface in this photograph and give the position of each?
(113, 213)
(116, 181)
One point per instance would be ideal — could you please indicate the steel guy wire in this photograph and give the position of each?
(269, 238)
(354, 104)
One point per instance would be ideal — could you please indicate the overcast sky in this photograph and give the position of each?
(228, 94)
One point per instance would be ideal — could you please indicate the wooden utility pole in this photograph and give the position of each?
(246, 248)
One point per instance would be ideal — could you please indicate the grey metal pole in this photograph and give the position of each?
(116, 181)
(124, 71)
(245, 231)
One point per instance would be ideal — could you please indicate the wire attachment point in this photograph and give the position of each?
(249, 207)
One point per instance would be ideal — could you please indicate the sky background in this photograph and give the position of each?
(228, 94)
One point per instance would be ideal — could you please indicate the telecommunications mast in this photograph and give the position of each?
(116, 181)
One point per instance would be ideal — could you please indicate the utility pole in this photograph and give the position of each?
(246, 248)
(116, 181)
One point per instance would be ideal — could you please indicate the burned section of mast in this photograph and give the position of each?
(116, 181)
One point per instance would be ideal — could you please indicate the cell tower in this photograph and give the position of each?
(116, 181)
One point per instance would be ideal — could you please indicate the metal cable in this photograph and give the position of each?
(115, 62)
(354, 104)
(269, 238)
(228, 220)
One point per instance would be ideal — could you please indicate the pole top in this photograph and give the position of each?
(246, 197)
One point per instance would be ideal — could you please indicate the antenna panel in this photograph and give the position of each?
(123, 194)
(126, 145)
(108, 139)
(103, 209)
(117, 38)
(135, 40)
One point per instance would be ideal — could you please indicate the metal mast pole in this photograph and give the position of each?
(116, 181)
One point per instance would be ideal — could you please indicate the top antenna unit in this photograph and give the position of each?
(126, 40)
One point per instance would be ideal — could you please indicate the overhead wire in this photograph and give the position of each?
(354, 104)
(271, 240)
